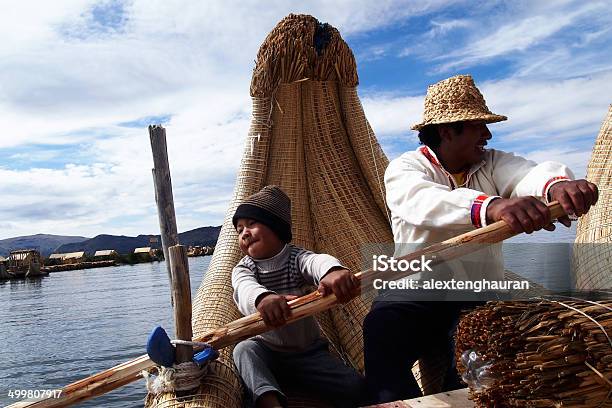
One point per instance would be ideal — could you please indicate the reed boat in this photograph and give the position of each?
(310, 136)
(24, 263)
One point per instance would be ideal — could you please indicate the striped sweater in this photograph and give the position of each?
(293, 271)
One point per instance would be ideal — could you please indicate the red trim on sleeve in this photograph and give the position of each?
(548, 183)
(475, 210)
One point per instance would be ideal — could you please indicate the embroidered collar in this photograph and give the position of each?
(431, 156)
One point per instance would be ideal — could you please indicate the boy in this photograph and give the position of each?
(272, 273)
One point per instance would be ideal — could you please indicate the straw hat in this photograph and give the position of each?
(455, 99)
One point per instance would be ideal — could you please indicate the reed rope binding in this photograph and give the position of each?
(180, 377)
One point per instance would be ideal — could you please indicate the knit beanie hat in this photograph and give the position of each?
(270, 206)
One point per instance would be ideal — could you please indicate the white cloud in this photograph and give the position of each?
(530, 35)
(576, 160)
(391, 115)
(546, 112)
(69, 76)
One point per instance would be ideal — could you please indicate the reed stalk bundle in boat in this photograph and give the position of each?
(549, 352)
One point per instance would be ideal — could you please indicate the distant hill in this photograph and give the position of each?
(204, 236)
(45, 243)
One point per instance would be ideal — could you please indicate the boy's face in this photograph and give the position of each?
(257, 239)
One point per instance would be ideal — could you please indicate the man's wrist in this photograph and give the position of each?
(548, 188)
(484, 210)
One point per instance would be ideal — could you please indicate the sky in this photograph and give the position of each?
(80, 81)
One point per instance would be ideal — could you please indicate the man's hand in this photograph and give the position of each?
(274, 308)
(340, 282)
(523, 214)
(576, 197)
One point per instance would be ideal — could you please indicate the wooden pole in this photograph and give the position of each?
(181, 293)
(175, 254)
(253, 325)
(163, 192)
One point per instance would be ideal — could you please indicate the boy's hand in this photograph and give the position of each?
(340, 282)
(274, 308)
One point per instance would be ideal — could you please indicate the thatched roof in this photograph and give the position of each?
(74, 255)
(143, 250)
(106, 252)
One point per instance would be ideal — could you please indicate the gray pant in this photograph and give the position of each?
(313, 370)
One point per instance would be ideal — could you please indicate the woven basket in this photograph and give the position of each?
(593, 250)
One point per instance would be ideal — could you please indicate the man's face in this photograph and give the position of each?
(468, 147)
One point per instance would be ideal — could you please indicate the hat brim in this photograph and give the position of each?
(490, 118)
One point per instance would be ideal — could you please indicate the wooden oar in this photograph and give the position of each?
(252, 325)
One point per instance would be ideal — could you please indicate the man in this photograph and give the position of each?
(450, 185)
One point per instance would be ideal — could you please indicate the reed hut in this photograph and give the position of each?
(55, 259)
(73, 257)
(592, 254)
(144, 254)
(106, 254)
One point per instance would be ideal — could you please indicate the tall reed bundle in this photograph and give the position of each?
(545, 353)
(593, 250)
(309, 135)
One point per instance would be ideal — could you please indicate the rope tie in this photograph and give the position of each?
(180, 377)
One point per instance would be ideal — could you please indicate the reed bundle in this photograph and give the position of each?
(299, 48)
(544, 353)
(592, 253)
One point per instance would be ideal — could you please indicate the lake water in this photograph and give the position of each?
(70, 325)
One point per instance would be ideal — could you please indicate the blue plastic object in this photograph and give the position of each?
(159, 348)
(204, 356)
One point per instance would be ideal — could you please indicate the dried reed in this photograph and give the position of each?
(545, 353)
